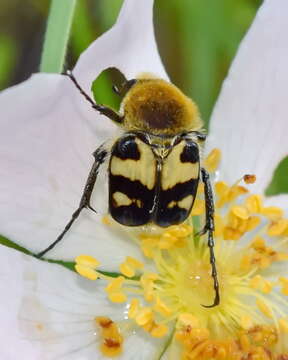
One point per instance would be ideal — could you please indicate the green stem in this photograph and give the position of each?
(168, 342)
(57, 35)
(68, 264)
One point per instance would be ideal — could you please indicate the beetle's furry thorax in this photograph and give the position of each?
(158, 107)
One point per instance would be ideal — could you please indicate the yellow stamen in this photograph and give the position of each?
(148, 244)
(221, 188)
(159, 330)
(283, 323)
(111, 338)
(245, 342)
(114, 292)
(264, 308)
(235, 191)
(259, 283)
(241, 212)
(276, 228)
(87, 260)
(136, 264)
(156, 330)
(180, 231)
(115, 284)
(144, 316)
(284, 282)
(272, 212)
(127, 270)
(230, 233)
(212, 161)
(161, 307)
(246, 322)
(86, 272)
(86, 265)
(117, 297)
(133, 308)
(252, 223)
(187, 319)
(147, 281)
(253, 203)
(130, 265)
(167, 240)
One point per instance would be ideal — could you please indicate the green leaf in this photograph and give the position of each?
(279, 183)
(57, 35)
(6, 242)
(102, 88)
(107, 13)
(8, 55)
(83, 30)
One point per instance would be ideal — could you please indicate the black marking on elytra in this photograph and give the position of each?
(130, 215)
(126, 148)
(156, 200)
(171, 216)
(190, 153)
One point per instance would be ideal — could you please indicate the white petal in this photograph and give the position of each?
(129, 46)
(11, 288)
(280, 201)
(45, 160)
(52, 312)
(249, 122)
(48, 133)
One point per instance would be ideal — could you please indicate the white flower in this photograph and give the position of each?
(48, 133)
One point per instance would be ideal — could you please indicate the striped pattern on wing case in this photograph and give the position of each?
(141, 192)
(132, 181)
(178, 184)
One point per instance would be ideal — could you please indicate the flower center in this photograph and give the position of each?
(185, 282)
(251, 243)
(197, 278)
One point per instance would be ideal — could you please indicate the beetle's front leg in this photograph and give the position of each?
(100, 156)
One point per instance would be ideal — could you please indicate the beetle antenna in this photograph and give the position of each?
(102, 109)
(72, 77)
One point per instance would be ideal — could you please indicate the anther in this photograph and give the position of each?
(249, 179)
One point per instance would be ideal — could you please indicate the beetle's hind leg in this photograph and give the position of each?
(100, 156)
(209, 227)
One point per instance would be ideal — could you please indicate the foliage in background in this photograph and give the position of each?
(197, 41)
(57, 35)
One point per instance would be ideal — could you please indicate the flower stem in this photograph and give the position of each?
(57, 35)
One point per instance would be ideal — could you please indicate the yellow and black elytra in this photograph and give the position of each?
(152, 184)
(154, 166)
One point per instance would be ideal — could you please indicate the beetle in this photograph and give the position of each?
(154, 166)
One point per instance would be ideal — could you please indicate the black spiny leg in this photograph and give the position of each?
(104, 110)
(99, 155)
(209, 227)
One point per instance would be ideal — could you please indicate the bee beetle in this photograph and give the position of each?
(154, 166)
